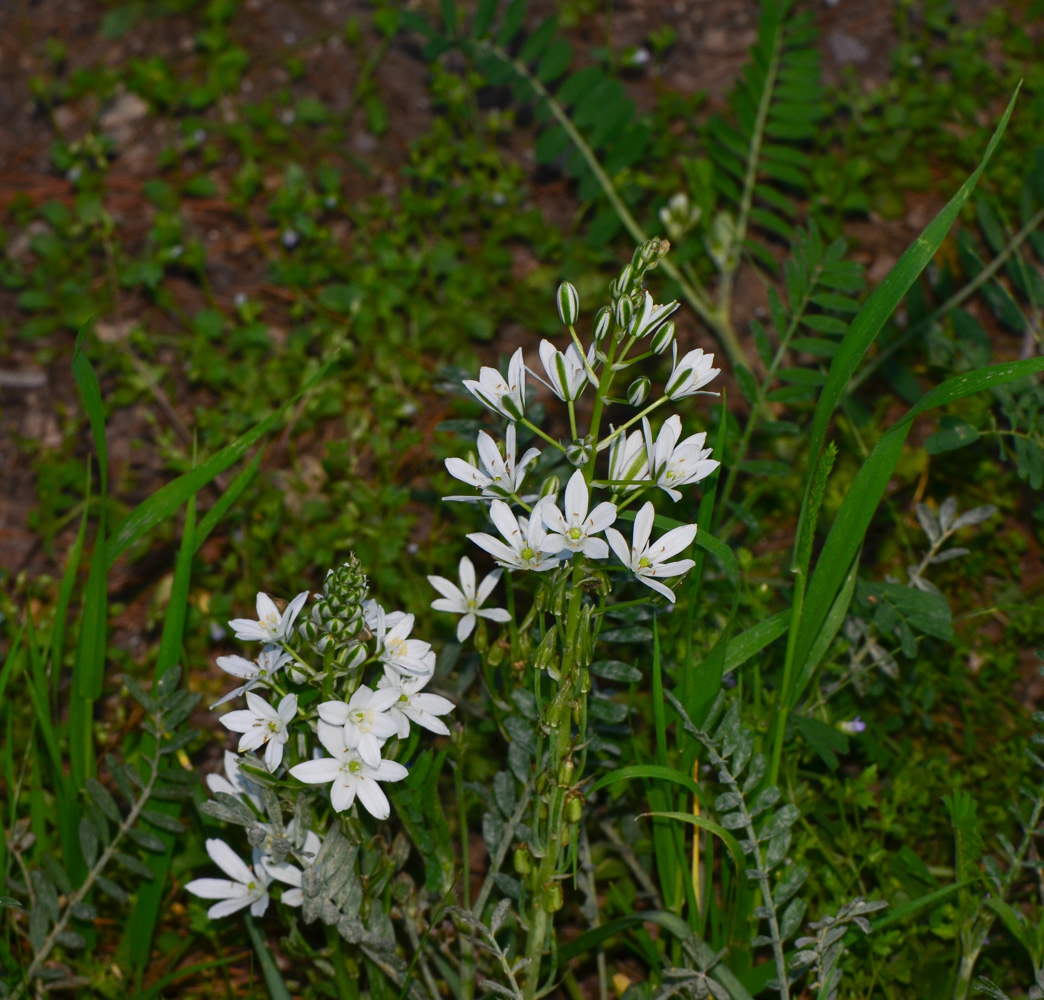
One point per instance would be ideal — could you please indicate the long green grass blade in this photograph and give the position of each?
(165, 501)
(273, 979)
(882, 302)
(591, 939)
(657, 771)
(61, 611)
(853, 518)
(142, 924)
(711, 827)
(748, 644)
(213, 517)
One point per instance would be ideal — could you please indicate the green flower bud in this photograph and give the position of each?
(550, 486)
(579, 452)
(623, 312)
(662, 338)
(603, 323)
(568, 303)
(638, 391)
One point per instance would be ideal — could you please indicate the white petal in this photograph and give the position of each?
(240, 721)
(372, 797)
(459, 469)
(228, 861)
(619, 545)
(317, 772)
(342, 793)
(216, 888)
(466, 626)
(486, 587)
(674, 541)
(334, 712)
(576, 497)
(227, 906)
(467, 578)
(643, 524)
(238, 666)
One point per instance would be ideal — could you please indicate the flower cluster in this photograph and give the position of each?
(540, 533)
(341, 740)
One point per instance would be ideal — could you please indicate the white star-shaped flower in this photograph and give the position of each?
(567, 372)
(504, 396)
(690, 374)
(646, 559)
(395, 647)
(349, 775)
(411, 705)
(574, 530)
(502, 476)
(365, 719)
(525, 540)
(235, 784)
(649, 316)
(263, 725)
(673, 463)
(269, 662)
(244, 887)
(467, 599)
(271, 626)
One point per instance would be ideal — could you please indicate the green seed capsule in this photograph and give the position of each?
(576, 713)
(565, 772)
(553, 897)
(585, 680)
(574, 809)
(495, 656)
(521, 861)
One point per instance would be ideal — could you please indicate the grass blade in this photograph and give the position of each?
(273, 980)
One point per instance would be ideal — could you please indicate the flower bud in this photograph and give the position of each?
(521, 861)
(550, 486)
(553, 897)
(579, 452)
(662, 338)
(623, 312)
(623, 283)
(568, 303)
(603, 324)
(565, 772)
(638, 391)
(574, 809)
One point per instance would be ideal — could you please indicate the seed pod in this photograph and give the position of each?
(577, 715)
(553, 899)
(568, 303)
(574, 809)
(638, 391)
(495, 656)
(565, 772)
(521, 861)
(585, 681)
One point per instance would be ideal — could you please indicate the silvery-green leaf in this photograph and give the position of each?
(499, 915)
(974, 516)
(70, 939)
(134, 865)
(947, 512)
(947, 554)
(929, 522)
(777, 849)
(110, 888)
(792, 917)
(104, 800)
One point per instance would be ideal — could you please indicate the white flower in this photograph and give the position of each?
(567, 373)
(574, 530)
(649, 316)
(269, 662)
(646, 559)
(502, 477)
(628, 461)
(506, 397)
(372, 612)
(690, 374)
(394, 647)
(286, 872)
(525, 540)
(245, 887)
(467, 600)
(271, 626)
(410, 704)
(349, 774)
(676, 464)
(365, 720)
(235, 784)
(261, 724)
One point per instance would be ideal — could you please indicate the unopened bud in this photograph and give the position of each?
(662, 338)
(568, 303)
(623, 283)
(550, 486)
(579, 452)
(603, 324)
(623, 312)
(638, 391)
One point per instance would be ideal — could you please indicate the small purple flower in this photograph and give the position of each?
(852, 728)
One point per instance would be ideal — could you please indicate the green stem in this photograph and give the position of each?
(547, 437)
(602, 445)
